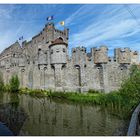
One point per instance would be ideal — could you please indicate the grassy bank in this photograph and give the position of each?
(117, 103)
(34, 92)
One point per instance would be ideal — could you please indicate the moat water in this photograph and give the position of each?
(32, 116)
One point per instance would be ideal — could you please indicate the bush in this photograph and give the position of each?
(34, 92)
(14, 83)
(1, 83)
(7, 88)
(131, 87)
(93, 91)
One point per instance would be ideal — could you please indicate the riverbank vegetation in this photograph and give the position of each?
(125, 99)
(34, 92)
(120, 103)
(1, 83)
(12, 86)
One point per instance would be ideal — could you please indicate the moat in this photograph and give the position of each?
(32, 116)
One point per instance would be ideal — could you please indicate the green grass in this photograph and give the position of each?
(33, 92)
(115, 102)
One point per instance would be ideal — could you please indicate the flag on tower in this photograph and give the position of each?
(21, 38)
(49, 18)
(62, 23)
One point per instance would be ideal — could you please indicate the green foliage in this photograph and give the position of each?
(14, 84)
(1, 83)
(33, 92)
(7, 87)
(93, 91)
(131, 87)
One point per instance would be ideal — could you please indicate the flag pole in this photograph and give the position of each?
(21, 40)
(64, 26)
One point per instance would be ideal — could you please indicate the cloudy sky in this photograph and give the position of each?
(90, 25)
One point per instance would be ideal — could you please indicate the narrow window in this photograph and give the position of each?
(57, 50)
(51, 51)
(64, 50)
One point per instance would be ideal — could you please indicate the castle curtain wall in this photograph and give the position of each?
(43, 63)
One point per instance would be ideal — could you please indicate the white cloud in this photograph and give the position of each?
(6, 12)
(80, 14)
(118, 24)
(6, 39)
(101, 24)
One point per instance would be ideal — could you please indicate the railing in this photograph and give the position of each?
(134, 126)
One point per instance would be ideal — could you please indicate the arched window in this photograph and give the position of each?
(61, 38)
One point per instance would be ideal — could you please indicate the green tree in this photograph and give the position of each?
(131, 87)
(14, 83)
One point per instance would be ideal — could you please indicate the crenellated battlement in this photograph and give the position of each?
(123, 55)
(43, 62)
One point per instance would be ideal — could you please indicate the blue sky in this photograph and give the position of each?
(90, 25)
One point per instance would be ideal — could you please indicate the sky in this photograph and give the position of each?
(90, 25)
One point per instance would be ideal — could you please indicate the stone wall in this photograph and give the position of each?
(43, 63)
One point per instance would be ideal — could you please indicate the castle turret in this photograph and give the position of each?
(42, 57)
(50, 32)
(100, 55)
(135, 57)
(58, 55)
(58, 52)
(123, 56)
(79, 56)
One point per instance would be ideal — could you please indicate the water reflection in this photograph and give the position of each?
(47, 117)
(11, 114)
(53, 118)
(4, 131)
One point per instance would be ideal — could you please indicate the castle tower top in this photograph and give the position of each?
(49, 25)
(58, 51)
(58, 41)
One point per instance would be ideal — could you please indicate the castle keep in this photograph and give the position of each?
(44, 63)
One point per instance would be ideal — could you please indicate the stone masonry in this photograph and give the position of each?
(44, 63)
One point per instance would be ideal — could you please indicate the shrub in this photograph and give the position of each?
(131, 87)
(7, 87)
(14, 83)
(1, 83)
(93, 91)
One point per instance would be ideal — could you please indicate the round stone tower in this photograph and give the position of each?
(58, 58)
(58, 51)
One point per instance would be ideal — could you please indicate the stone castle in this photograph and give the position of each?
(44, 63)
